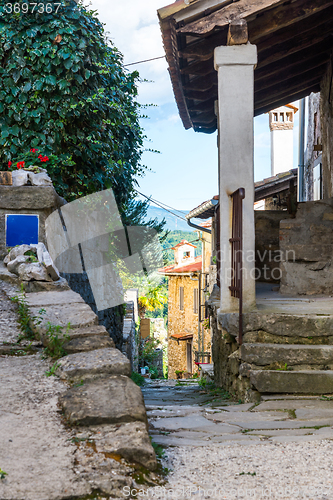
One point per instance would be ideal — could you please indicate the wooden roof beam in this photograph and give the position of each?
(282, 100)
(202, 83)
(198, 68)
(295, 45)
(201, 96)
(296, 70)
(277, 93)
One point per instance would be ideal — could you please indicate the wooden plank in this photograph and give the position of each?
(222, 17)
(145, 328)
(6, 179)
(203, 106)
(202, 83)
(201, 96)
(292, 71)
(204, 118)
(285, 16)
(206, 129)
(238, 32)
(293, 60)
(295, 45)
(287, 98)
(204, 49)
(198, 68)
(286, 34)
(265, 98)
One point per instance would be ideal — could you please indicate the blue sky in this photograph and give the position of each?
(184, 173)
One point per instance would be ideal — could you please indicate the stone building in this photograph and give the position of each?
(229, 62)
(187, 337)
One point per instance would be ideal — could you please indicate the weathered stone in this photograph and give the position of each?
(266, 354)
(13, 265)
(46, 286)
(89, 331)
(93, 364)
(5, 275)
(268, 338)
(76, 314)
(88, 344)
(6, 259)
(34, 271)
(40, 179)
(294, 382)
(19, 178)
(54, 299)
(20, 250)
(6, 178)
(29, 197)
(40, 249)
(113, 400)
(50, 267)
(131, 441)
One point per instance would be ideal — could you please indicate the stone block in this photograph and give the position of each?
(86, 344)
(43, 299)
(266, 354)
(46, 286)
(20, 250)
(130, 441)
(29, 197)
(113, 400)
(13, 265)
(93, 364)
(40, 179)
(89, 331)
(76, 314)
(6, 178)
(19, 178)
(33, 272)
(50, 267)
(293, 382)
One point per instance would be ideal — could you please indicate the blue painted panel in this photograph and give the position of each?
(21, 229)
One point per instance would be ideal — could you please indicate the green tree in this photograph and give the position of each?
(64, 90)
(152, 297)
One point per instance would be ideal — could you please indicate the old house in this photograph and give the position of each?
(188, 342)
(230, 61)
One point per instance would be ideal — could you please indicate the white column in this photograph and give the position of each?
(235, 65)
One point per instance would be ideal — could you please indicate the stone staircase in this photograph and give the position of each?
(283, 368)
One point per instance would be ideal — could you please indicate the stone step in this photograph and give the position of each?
(290, 354)
(113, 400)
(292, 382)
(86, 344)
(90, 365)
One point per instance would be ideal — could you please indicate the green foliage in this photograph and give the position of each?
(65, 91)
(153, 372)
(52, 370)
(56, 340)
(159, 451)
(3, 474)
(153, 298)
(148, 350)
(26, 320)
(138, 379)
(172, 238)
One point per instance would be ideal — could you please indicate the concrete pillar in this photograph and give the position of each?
(235, 67)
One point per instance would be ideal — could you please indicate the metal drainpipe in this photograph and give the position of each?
(301, 150)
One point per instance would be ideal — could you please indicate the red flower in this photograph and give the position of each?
(33, 150)
(20, 164)
(10, 163)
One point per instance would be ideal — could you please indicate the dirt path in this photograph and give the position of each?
(281, 448)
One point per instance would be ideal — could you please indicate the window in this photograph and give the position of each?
(187, 254)
(181, 298)
(195, 301)
(281, 117)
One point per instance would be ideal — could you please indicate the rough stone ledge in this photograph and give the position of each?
(87, 344)
(114, 400)
(93, 364)
(266, 354)
(292, 382)
(290, 325)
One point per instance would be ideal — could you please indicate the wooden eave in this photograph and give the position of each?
(294, 39)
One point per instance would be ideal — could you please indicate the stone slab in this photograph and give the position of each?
(29, 197)
(45, 286)
(285, 424)
(314, 413)
(93, 364)
(193, 422)
(301, 382)
(78, 315)
(266, 354)
(294, 404)
(114, 400)
(130, 441)
(249, 417)
(86, 344)
(43, 299)
(88, 331)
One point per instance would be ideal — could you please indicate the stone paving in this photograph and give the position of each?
(279, 448)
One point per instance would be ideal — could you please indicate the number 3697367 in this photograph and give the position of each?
(25, 8)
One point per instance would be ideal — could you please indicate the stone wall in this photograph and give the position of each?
(267, 226)
(40, 200)
(314, 139)
(129, 337)
(306, 244)
(326, 119)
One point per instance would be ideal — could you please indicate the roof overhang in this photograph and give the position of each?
(294, 40)
(204, 211)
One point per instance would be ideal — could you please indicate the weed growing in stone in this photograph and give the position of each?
(247, 473)
(138, 379)
(327, 398)
(159, 451)
(3, 474)
(52, 370)
(56, 340)
(26, 320)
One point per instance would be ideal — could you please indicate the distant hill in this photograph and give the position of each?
(173, 223)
